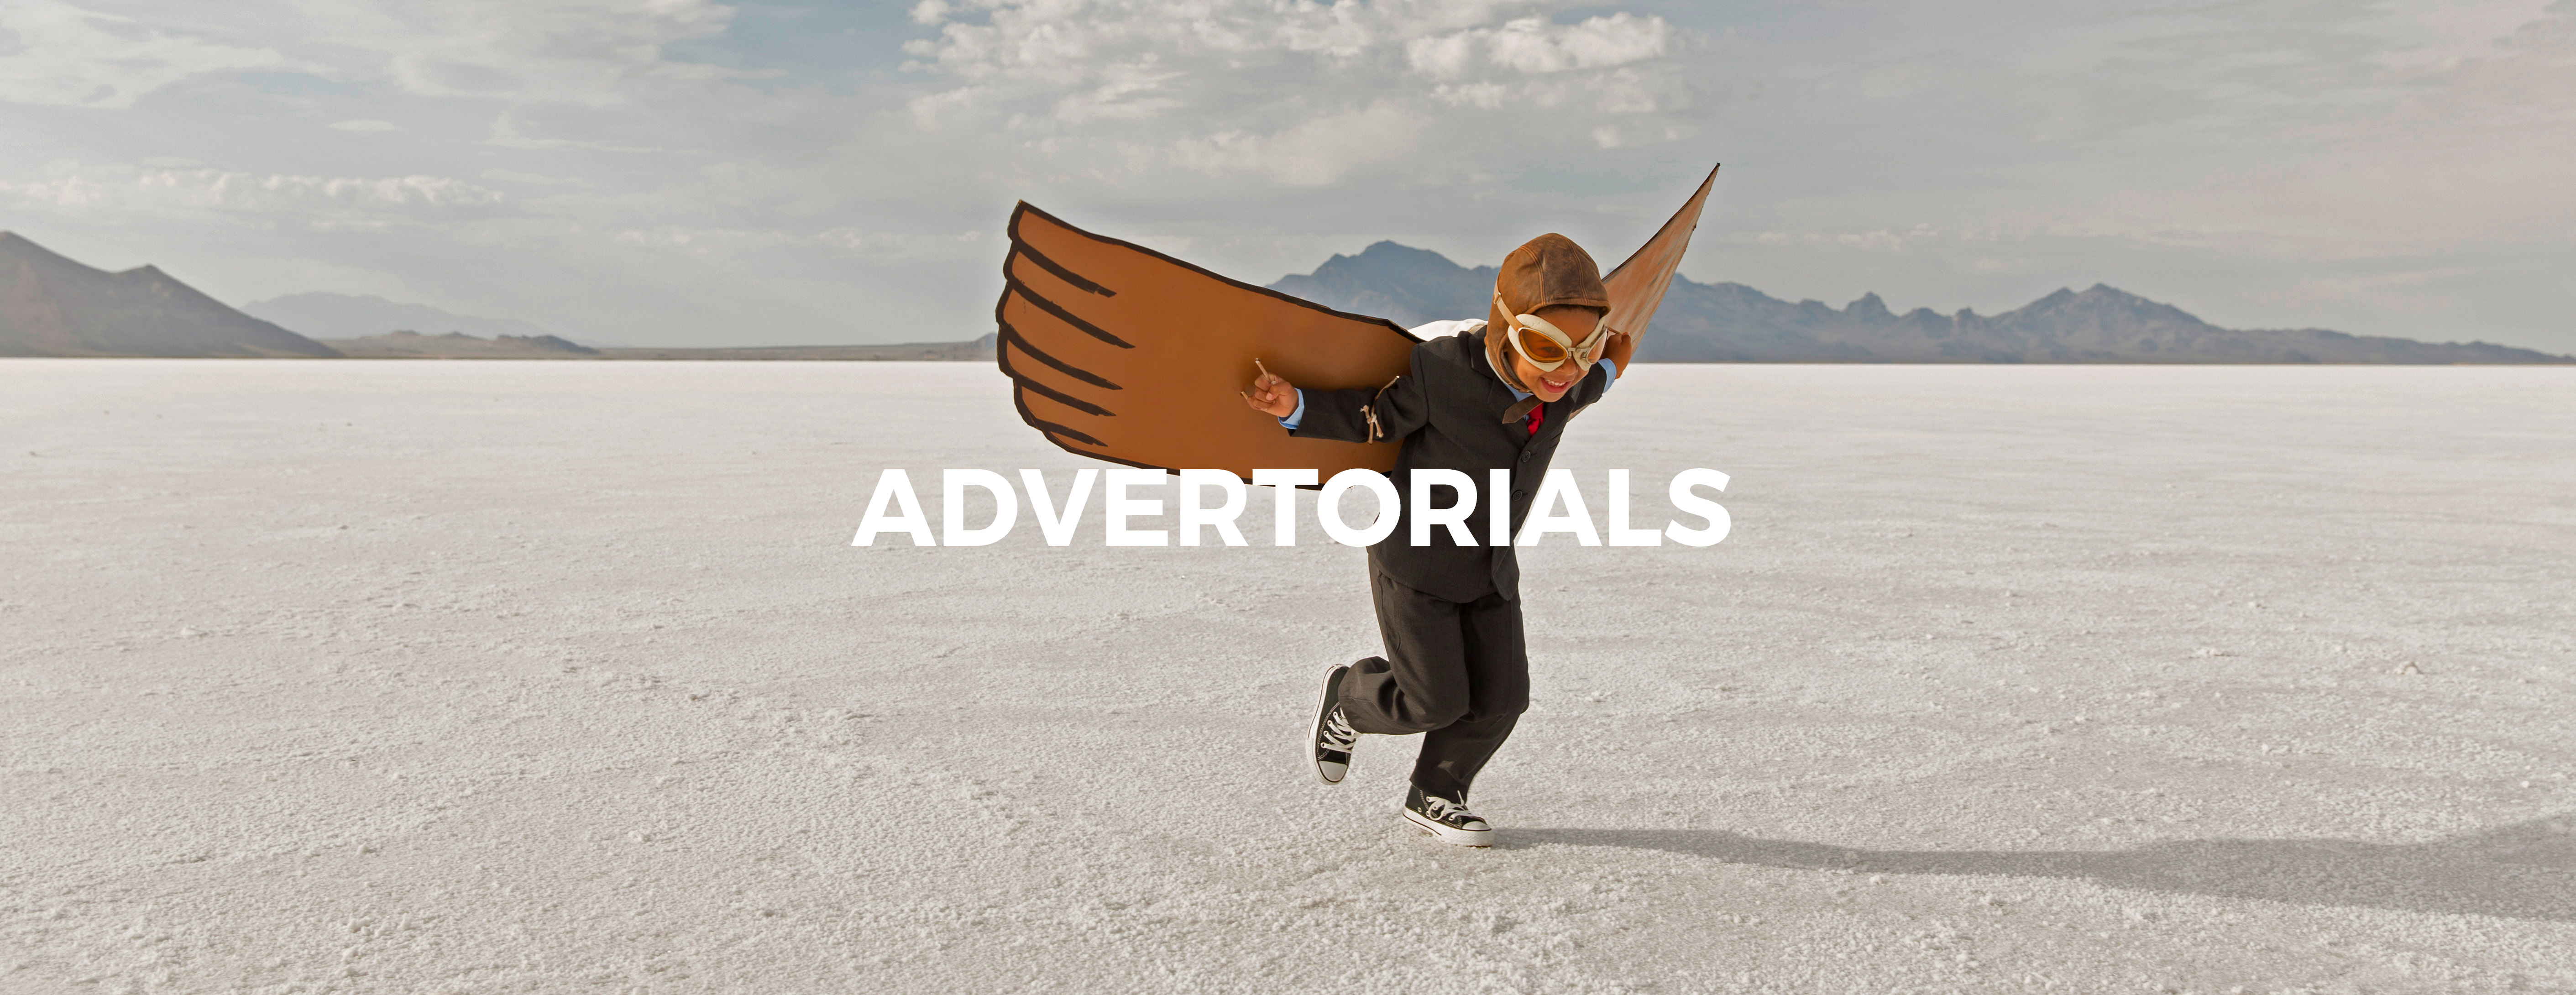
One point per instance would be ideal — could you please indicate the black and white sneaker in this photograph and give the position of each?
(1330, 742)
(1447, 820)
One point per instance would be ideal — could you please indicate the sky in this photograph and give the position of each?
(683, 172)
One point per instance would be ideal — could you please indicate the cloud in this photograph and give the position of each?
(537, 179)
(538, 125)
(1137, 90)
(1878, 240)
(55, 53)
(1313, 153)
(844, 242)
(320, 201)
(1484, 96)
(1293, 95)
(1533, 45)
(691, 161)
(1214, 54)
(1442, 57)
(593, 52)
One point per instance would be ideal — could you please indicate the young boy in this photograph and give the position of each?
(1489, 398)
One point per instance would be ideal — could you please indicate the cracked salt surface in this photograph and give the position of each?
(343, 677)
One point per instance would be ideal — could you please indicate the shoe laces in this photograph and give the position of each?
(1444, 810)
(1338, 734)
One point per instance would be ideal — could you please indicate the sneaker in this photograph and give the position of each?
(1330, 742)
(1448, 820)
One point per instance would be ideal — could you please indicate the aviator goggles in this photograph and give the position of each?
(1546, 346)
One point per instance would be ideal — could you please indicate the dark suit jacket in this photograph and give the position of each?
(1448, 410)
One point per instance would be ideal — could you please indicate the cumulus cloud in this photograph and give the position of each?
(1221, 50)
(1312, 153)
(1442, 57)
(1534, 45)
(56, 53)
(1296, 95)
(1530, 45)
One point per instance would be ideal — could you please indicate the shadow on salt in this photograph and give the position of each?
(2526, 870)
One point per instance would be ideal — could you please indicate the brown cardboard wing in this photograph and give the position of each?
(1122, 353)
(1637, 286)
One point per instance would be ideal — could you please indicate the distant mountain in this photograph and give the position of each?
(458, 345)
(347, 316)
(1407, 284)
(52, 306)
(1731, 322)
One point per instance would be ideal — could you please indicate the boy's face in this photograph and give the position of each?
(1549, 385)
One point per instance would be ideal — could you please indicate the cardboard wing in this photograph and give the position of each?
(1637, 286)
(1119, 352)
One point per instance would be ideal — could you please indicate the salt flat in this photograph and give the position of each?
(499, 677)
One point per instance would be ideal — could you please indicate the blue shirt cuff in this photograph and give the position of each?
(1299, 415)
(1614, 374)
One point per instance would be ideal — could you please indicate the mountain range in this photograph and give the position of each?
(408, 344)
(350, 316)
(1731, 322)
(52, 306)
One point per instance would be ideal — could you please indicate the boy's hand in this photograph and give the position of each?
(1621, 346)
(1271, 395)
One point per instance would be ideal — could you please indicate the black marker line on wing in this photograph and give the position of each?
(1031, 254)
(1061, 314)
(1013, 336)
(1053, 431)
(1051, 393)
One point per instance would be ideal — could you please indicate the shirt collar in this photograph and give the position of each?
(1517, 393)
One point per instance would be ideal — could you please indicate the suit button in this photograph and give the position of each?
(1524, 457)
(1519, 493)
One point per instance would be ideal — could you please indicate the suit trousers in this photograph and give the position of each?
(1457, 672)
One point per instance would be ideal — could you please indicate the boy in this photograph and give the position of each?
(1489, 398)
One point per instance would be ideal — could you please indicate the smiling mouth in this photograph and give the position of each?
(1553, 386)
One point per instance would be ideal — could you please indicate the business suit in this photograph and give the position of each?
(1456, 667)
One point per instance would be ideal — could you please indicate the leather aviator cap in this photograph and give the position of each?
(1546, 271)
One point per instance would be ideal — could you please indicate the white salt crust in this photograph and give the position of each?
(531, 677)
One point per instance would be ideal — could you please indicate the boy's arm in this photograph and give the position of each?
(1383, 415)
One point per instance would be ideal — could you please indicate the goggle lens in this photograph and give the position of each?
(1540, 348)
